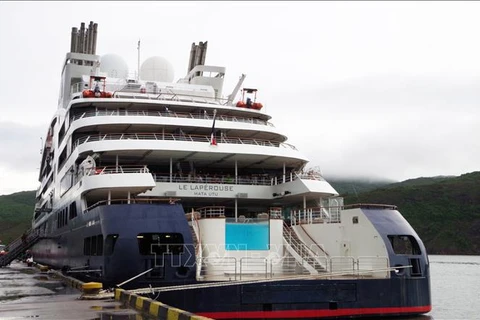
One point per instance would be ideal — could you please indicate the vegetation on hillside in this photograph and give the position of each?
(445, 211)
(16, 212)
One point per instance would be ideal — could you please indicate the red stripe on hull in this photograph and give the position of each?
(315, 313)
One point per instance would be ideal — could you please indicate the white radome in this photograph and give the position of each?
(156, 69)
(114, 66)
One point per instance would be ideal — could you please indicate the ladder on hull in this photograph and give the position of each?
(19, 246)
(307, 258)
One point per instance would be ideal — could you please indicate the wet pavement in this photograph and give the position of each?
(28, 293)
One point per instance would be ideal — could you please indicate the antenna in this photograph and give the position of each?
(138, 62)
(41, 145)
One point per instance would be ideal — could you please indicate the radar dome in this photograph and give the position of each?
(156, 69)
(114, 66)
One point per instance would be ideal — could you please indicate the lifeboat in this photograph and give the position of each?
(91, 94)
(241, 104)
(249, 103)
(257, 105)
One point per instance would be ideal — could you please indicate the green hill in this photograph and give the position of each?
(16, 212)
(445, 211)
(356, 186)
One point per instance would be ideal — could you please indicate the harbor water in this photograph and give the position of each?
(455, 282)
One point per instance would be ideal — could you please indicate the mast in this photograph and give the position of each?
(138, 61)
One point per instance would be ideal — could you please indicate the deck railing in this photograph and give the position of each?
(178, 137)
(169, 114)
(232, 268)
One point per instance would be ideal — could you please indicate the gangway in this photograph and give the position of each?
(19, 246)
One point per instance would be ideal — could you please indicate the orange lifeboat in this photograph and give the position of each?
(88, 94)
(91, 94)
(241, 104)
(249, 103)
(97, 92)
(257, 105)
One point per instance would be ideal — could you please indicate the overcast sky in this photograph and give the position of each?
(377, 89)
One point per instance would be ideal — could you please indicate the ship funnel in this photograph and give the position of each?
(84, 40)
(197, 55)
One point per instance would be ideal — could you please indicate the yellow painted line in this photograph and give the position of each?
(139, 303)
(154, 306)
(173, 313)
(118, 292)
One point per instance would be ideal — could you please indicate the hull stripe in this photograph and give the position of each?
(315, 313)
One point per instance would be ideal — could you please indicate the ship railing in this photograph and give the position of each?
(132, 200)
(177, 137)
(150, 113)
(330, 212)
(310, 176)
(344, 265)
(309, 256)
(99, 170)
(276, 266)
(252, 266)
(375, 267)
(291, 176)
(167, 95)
(212, 212)
(315, 215)
(260, 180)
(219, 268)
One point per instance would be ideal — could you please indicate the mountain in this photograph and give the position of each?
(355, 186)
(16, 212)
(445, 211)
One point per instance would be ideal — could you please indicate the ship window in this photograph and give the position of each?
(110, 241)
(73, 210)
(61, 134)
(160, 243)
(404, 244)
(93, 246)
(86, 246)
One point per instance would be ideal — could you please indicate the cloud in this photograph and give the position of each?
(390, 126)
(20, 147)
(19, 156)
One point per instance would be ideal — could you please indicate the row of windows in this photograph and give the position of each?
(94, 246)
(159, 243)
(66, 214)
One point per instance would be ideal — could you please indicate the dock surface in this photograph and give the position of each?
(28, 293)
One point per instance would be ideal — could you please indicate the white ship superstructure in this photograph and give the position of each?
(150, 137)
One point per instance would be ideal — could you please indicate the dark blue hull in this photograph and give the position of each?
(118, 255)
(117, 263)
(307, 299)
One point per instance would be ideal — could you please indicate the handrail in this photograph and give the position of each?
(177, 137)
(130, 201)
(213, 211)
(314, 242)
(168, 114)
(99, 170)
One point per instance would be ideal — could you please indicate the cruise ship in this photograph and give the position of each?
(190, 191)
